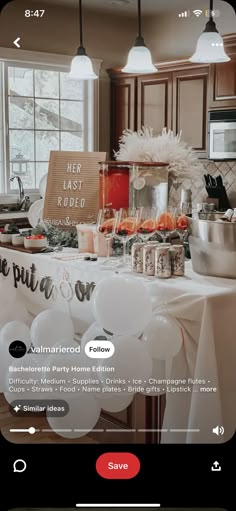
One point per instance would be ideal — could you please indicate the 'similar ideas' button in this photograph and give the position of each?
(99, 349)
(118, 465)
(40, 407)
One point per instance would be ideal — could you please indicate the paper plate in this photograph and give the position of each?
(35, 214)
(43, 185)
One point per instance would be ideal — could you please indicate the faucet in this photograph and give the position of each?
(24, 200)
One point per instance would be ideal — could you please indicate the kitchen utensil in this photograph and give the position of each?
(212, 181)
(219, 181)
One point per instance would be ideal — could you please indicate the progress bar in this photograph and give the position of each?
(119, 505)
(33, 430)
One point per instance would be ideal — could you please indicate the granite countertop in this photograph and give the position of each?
(11, 215)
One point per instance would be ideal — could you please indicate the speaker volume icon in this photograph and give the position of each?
(218, 430)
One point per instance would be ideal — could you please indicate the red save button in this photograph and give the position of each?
(118, 465)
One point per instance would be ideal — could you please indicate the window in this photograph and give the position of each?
(42, 111)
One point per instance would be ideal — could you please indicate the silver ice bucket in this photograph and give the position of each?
(212, 245)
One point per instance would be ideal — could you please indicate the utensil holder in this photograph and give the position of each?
(219, 193)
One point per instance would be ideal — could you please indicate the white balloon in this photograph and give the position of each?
(130, 361)
(84, 412)
(115, 403)
(122, 305)
(163, 337)
(51, 326)
(94, 331)
(156, 385)
(15, 330)
(67, 362)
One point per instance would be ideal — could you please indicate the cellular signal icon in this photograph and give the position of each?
(184, 14)
(197, 12)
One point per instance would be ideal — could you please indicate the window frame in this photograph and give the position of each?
(24, 58)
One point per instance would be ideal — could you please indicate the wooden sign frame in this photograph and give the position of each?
(72, 192)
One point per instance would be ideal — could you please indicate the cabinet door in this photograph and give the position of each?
(122, 108)
(190, 106)
(154, 106)
(223, 82)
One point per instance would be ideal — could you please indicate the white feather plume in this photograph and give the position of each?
(143, 145)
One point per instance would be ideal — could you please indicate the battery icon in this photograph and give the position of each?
(215, 13)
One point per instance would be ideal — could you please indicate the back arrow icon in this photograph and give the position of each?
(16, 42)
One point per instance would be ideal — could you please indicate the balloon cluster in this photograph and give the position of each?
(123, 314)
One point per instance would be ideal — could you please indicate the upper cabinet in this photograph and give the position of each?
(222, 90)
(177, 97)
(154, 101)
(190, 106)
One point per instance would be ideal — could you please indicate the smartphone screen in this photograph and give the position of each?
(117, 243)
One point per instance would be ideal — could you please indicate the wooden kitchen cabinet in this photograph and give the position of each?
(174, 98)
(222, 90)
(190, 106)
(178, 97)
(154, 101)
(123, 111)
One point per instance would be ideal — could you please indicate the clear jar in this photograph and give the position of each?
(148, 185)
(133, 184)
(113, 185)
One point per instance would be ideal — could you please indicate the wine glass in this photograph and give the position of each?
(166, 223)
(147, 224)
(182, 214)
(106, 224)
(126, 227)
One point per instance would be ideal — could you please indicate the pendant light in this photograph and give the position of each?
(210, 45)
(81, 65)
(139, 58)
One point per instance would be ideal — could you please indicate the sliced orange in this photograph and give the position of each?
(182, 222)
(166, 222)
(128, 226)
(148, 225)
(107, 226)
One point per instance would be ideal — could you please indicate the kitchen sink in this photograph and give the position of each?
(9, 209)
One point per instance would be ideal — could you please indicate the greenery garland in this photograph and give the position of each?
(57, 238)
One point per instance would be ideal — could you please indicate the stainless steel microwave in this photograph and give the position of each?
(222, 135)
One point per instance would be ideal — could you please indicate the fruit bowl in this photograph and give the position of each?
(17, 240)
(5, 237)
(35, 242)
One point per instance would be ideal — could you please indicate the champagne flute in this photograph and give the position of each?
(106, 224)
(166, 223)
(182, 214)
(126, 227)
(147, 226)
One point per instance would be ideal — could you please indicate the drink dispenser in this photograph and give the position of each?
(148, 185)
(114, 185)
(133, 184)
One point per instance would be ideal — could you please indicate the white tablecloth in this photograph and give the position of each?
(205, 307)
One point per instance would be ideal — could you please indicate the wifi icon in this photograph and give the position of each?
(197, 12)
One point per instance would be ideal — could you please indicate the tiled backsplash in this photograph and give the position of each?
(227, 169)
